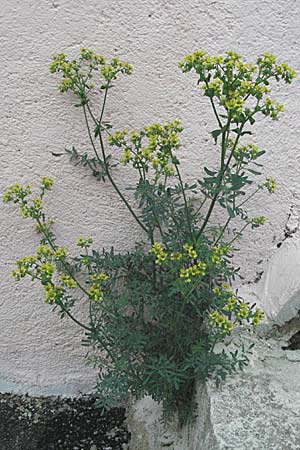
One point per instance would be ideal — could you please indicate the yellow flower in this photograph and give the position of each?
(270, 184)
(60, 253)
(95, 293)
(46, 183)
(84, 243)
(219, 320)
(158, 252)
(53, 293)
(190, 251)
(126, 157)
(177, 256)
(37, 203)
(230, 304)
(192, 271)
(25, 211)
(68, 281)
(43, 250)
(258, 317)
(47, 269)
(99, 277)
(244, 311)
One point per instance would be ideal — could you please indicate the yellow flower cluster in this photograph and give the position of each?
(47, 183)
(158, 252)
(59, 253)
(233, 102)
(77, 74)
(190, 251)
(233, 81)
(267, 63)
(176, 256)
(84, 242)
(152, 147)
(99, 277)
(109, 72)
(240, 309)
(258, 221)
(42, 267)
(243, 311)
(95, 291)
(221, 321)
(272, 108)
(217, 253)
(186, 273)
(23, 266)
(68, 281)
(258, 317)
(52, 293)
(16, 192)
(270, 184)
(230, 304)
(46, 269)
(31, 207)
(198, 269)
(247, 152)
(46, 252)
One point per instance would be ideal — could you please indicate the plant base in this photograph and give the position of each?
(148, 431)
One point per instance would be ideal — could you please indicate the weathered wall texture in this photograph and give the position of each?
(38, 352)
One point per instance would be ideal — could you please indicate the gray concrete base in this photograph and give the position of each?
(255, 410)
(148, 432)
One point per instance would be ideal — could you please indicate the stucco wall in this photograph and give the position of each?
(38, 352)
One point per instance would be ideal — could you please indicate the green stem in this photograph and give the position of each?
(62, 306)
(223, 230)
(250, 196)
(116, 187)
(238, 235)
(185, 201)
(104, 103)
(222, 173)
(108, 171)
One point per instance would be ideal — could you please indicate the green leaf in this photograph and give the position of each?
(215, 134)
(231, 212)
(211, 173)
(97, 130)
(255, 172)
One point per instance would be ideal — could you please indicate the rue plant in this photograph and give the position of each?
(156, 312)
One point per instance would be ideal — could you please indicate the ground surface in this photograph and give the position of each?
(30, 423)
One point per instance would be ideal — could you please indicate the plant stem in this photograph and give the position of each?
(185, 201)
(221, 175)
(108, 171)
(238, 234)
(117, 189)
(62, 306)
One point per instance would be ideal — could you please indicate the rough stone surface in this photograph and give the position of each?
(149, 432)
(38, 353)
(278, 290)
(260, 409)
(255, 410)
